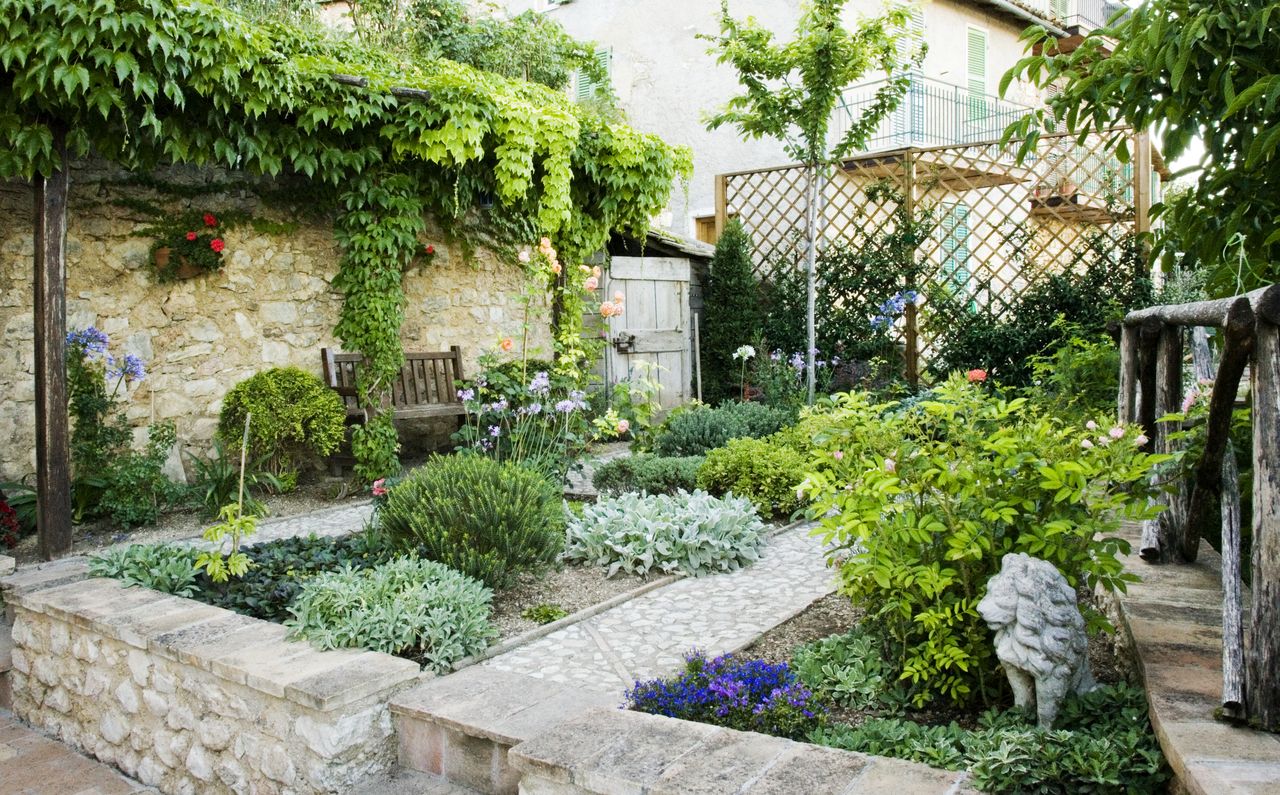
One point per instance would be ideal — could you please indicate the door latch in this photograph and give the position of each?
(624, 343)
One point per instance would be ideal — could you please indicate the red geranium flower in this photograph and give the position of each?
(209, 220)
(430, 249)
(976, 376)
(217, 245)
(191, 236)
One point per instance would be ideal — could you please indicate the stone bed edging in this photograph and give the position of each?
(1172, 622)
(188, 697)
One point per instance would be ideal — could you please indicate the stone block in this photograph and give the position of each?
(7, 565)
(356, 676)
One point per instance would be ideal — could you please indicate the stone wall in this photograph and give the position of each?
(190, 698)
(272, 303)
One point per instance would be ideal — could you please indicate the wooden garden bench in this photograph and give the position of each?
(426, 386)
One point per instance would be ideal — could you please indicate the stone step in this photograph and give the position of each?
(413, 782)
(6, 665)
(461, 726)
(615, 752)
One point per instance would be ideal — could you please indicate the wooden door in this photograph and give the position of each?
(653, 338)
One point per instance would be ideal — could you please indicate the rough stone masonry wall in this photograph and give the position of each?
(190, 698)
(271, 305)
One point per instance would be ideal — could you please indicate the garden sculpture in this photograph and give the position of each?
(1040, 637)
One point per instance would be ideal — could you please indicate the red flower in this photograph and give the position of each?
(217, 245)
(430, 249)
(191, 236)
(209, 220)
(976, 376)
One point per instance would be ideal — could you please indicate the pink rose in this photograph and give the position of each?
(618, 297)
(379, 487)
(623, 426)
(976, 375)
(523, 256)
(1141, 440)
(592, 283)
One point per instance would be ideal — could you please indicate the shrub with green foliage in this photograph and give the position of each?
(691, 533)
(765, 471)
(847, 670)
(1102, 742)
(161, 567)
(695, 430)
(407, 607)
(647, 473)
(484, 518)
(732, 314)
(1079, 378)
(294, 415)
(215, 481)
(923, 504)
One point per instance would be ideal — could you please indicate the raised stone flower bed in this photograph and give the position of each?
(193, 698)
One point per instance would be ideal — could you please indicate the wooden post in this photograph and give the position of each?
(1127, 401)
(1232, 600)
(1262, 689)
(911, 351)
(1142, 168)
(911, 321)
(1205, 485)
(1173, 521)
(722, 209)
(1148, 340)
(53, 452)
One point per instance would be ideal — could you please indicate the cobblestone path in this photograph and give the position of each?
(649, 635)
(324, 522)
(33, 764)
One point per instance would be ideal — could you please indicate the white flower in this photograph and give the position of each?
(1091, 425)
(744, 353)
(1086, 444)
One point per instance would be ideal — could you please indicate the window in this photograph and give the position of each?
(584, 87)
(955, 248)
(704, 228)
(977, 73)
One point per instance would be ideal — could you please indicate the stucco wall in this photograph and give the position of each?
(272, 303)
(667, 82)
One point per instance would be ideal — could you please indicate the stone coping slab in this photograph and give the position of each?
(241, 649)
(615, 752)
(1173, 621)
(496, 705)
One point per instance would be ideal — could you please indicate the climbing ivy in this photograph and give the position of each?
(151, 82)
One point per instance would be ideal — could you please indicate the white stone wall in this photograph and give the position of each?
(271, 305)
(189, 698)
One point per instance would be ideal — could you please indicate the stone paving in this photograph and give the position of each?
(33, 764)
(649, 635)
(578, 483)
(332, 522)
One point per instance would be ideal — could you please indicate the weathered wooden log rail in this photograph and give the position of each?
(1151, 362)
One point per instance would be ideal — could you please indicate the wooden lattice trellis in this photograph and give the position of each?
(997, 225)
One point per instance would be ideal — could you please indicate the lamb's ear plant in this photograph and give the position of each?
(235, 525)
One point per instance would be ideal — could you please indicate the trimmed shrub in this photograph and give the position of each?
(294, 415)
(699, 429)
(409, 607)
(748, 695)
(646, 473)
(693, 533)
(732, 313)
(765, 471)
(485, 518)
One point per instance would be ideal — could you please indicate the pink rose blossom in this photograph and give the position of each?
(555, 268)
(379, 487)
(623, 426)
(1190, 400)
(523, 256)
(1141, 440)
(592, 283)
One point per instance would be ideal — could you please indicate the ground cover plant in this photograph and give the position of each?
(484, 518)
(647, 473)
(693, 533)
(923, 501)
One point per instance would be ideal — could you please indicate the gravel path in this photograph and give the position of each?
(649, 635)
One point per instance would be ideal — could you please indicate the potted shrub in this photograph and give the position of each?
(187, 247)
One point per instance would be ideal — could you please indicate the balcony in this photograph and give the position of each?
(932, 113)
(1077, 17)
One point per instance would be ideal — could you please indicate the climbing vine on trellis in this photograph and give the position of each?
(150, 82)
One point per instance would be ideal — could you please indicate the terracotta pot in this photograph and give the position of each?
(182, 269)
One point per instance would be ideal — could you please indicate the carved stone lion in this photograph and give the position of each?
(1040, 637)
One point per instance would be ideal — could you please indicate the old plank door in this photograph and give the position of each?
(653, 338)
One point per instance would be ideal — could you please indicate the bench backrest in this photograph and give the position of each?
(425, 379)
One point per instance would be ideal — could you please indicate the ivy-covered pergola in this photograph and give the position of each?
(145, 83)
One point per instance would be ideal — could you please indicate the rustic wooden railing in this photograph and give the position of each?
(1151, 373)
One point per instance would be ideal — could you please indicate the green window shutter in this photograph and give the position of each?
(955, 248)
(585, 87)
(977, 74)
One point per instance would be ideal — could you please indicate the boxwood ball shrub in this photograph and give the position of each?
(294, 416)
(409, 607)
(651, 474)
(484, 518)
(693, 533)
(701, 428)
(764, 471)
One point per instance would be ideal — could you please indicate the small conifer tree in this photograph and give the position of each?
(732, 313)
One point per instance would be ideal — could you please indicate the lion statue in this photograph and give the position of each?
(1040, 637)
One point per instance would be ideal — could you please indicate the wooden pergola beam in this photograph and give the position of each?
(49, 315)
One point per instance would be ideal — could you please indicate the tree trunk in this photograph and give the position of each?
(1263, 652)
(1232, 599)
(811, 282)
(1168, 398)
(53, 454)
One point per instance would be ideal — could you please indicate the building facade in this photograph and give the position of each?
(667, 83)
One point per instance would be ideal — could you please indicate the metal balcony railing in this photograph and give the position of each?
(1076, 16)
(932, 113)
